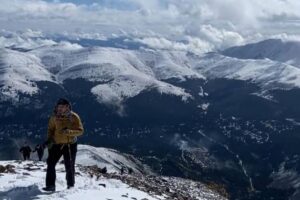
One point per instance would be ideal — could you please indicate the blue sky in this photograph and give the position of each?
(208, 24)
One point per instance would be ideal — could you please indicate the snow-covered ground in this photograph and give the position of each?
(29, 179)
(25, 179)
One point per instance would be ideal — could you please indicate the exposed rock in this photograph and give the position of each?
(7, 169)
(102, 184)
(2, 169)
(170, 187)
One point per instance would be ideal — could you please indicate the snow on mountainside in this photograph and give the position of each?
(109, 158)
(120, 74)
(124, 71)
(268, 74)
(19, 72)
(158, 64)
(26, 179)
(274, 49)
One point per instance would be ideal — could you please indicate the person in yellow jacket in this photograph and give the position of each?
(63, 128)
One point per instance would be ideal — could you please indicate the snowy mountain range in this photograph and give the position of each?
(273, 49)
(229, 118)
(121, 74)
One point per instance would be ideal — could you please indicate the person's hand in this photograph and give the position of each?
(65, 131)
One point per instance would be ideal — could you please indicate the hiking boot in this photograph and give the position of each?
(70, 186)
(49, 188)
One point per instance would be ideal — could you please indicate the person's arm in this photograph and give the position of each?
(77, 128)
(51, 129)
(21, 149)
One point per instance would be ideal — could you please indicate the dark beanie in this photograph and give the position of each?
(63, 101)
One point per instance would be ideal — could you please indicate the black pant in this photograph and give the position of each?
(69, 153)
(26, 156)
(40, 155)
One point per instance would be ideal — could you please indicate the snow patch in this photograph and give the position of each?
(19, 74)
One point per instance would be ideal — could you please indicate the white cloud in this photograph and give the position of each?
(220, 38)
(28, 39)
(190, 44)
(160, 23)
(31, 39)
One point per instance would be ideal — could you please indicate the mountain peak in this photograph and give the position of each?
(273, 49)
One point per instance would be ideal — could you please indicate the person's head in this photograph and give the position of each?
(62, 106)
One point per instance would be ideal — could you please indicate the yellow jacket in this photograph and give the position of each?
(64, 130)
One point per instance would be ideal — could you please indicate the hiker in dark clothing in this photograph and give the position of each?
(40, 151)
(63, 128)
(25, 150)
(122, 170)
(130, 170)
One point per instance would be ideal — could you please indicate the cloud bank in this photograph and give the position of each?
(200, 25)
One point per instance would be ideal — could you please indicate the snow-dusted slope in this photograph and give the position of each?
(274, 49)
(109, 158)
(19, 73)
(268, 74)
(126, 73)
(131, 85)
(100, 62)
